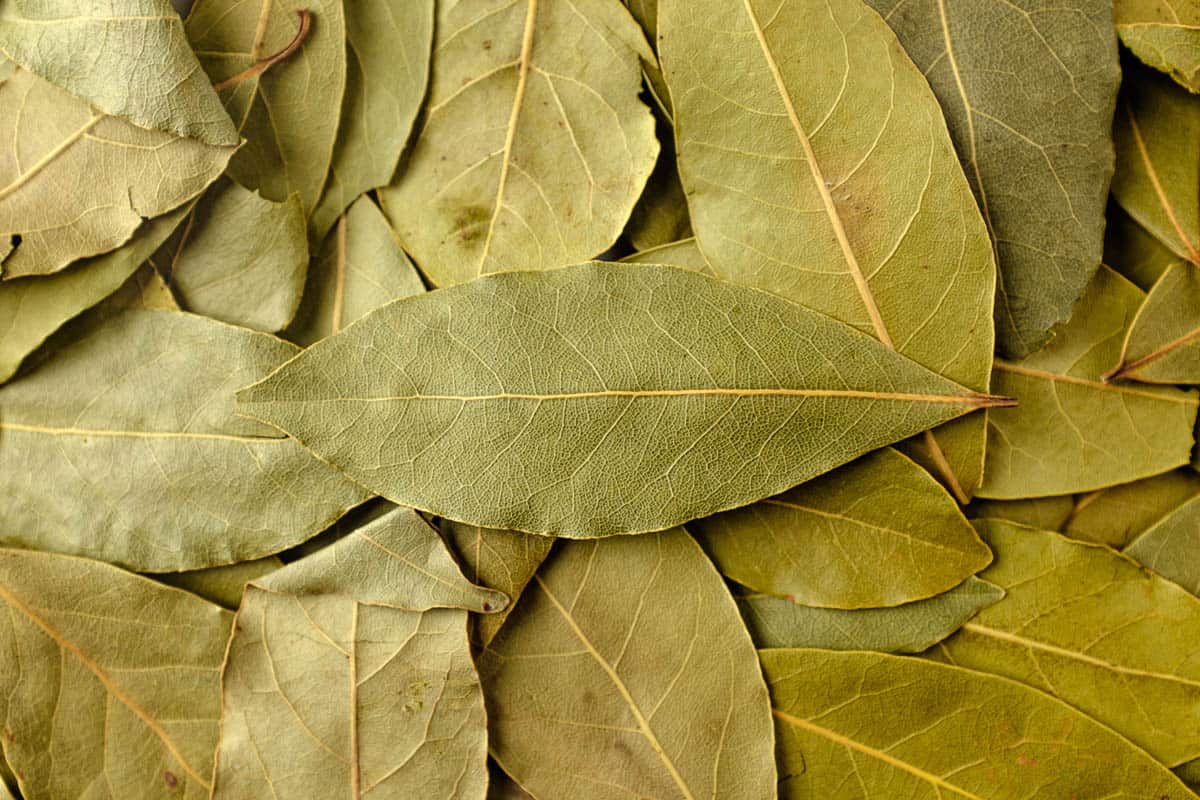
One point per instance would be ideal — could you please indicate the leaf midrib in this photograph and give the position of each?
(124, 434)
(1004, 366)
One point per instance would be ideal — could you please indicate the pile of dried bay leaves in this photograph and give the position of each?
(573, 399)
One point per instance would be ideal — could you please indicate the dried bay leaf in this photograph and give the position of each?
(790, 120)
(387, 70)
(395, 560)
(1164, 34)
(145, 290)
(359, 268)
(1034, 137)
(535, 146)
(1073, 432)
(1157, 134)
(593, 690)
(502, 787)
(33, 308)
(503, 560)
(1116, 516)
(127, 58)
(327, 697)
(1043, 513)
(133, 425)
(883, 726)
(221, 585)
(111, 681)
(684, 253)
(532, 401)
(286, 113)
(877, 532)
(908, 628)
(133, 173)
(661, 214)
(1163, 342)
(240, 258)
(1092, 628)
(1189, 773)
(1133, 251)
(1171, 546)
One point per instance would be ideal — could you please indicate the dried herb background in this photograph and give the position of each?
(571, 399)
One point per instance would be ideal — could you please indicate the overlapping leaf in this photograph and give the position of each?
(1033, 136)
(535, 146)
(222, 585)
(1171, 546)
(111, 681)
(596, 399)
(1164, 34)
(1116, 516)
(1043, 513)
(133, 424)
(592, 692)
(1095, 630)
(684, 253)
(881, 726)
(1163, 342)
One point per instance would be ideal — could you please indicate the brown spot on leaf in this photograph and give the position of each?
(471, 222)
(9, 735)
(486, 606)
(1025, 761)
(487, 44)
(170, 779)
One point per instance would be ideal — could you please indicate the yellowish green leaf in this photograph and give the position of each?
(868, 725)
(112, 682)
(1171, 546)
(222, 585)
(133, 424)
(1094, 629)
(1043, 513)
(877, 532)
(1116, 516)
(1163, 343)
(145, 289)
(629, 700)
(661, 214)
(1132, 251)
(535, 146)
(1164, 34)
(685, 253)
(511, 402)
(1072, 431)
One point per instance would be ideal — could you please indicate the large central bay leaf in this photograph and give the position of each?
(601, 398)
(817, 166)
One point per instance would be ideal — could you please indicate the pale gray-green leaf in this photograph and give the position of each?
(877, 532)
(1094, 629)
(661, 214)
(324, 697)
(222, 585)
(909, 628)
(817, 166)
(111, 681)
(397, 560)
(1028, 91)
(595, 690)
(128, 58)
(387, 69)
(879, 727)
(132, 423)
(685, 253)
(1163, 343)
(1072, 432)
(535, 145)
(359, 268)
(1171, 546)
(512, 401)
(52, 141)
(240, 258)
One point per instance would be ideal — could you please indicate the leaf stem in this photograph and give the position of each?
(264, 64)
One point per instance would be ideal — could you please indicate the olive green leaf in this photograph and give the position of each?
(1164, 34)
(1116, 516)
(1073, 432)
(597, 399)
(1094, 629)
(684, 253)
(396, 560)
(1043, 513)
(1171, 546)
(502, 787)
(145, 289)
(630, 698)
(883, 726)
(284, 112)
(127, 58)
(535, 146)
(33, 308)
(387, 69)
(818, 167)
(1034, 137)
(909, 628)
(1163, 343)
(240, 258)
(877, 532)
(222, 585)
(503, 560)
(359, 268)
(1156, 130)
(132, 423)
(327, 697)
(661, 214)
(1133, 251)
(111, 681)
(1189, 773)
(132, 173)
